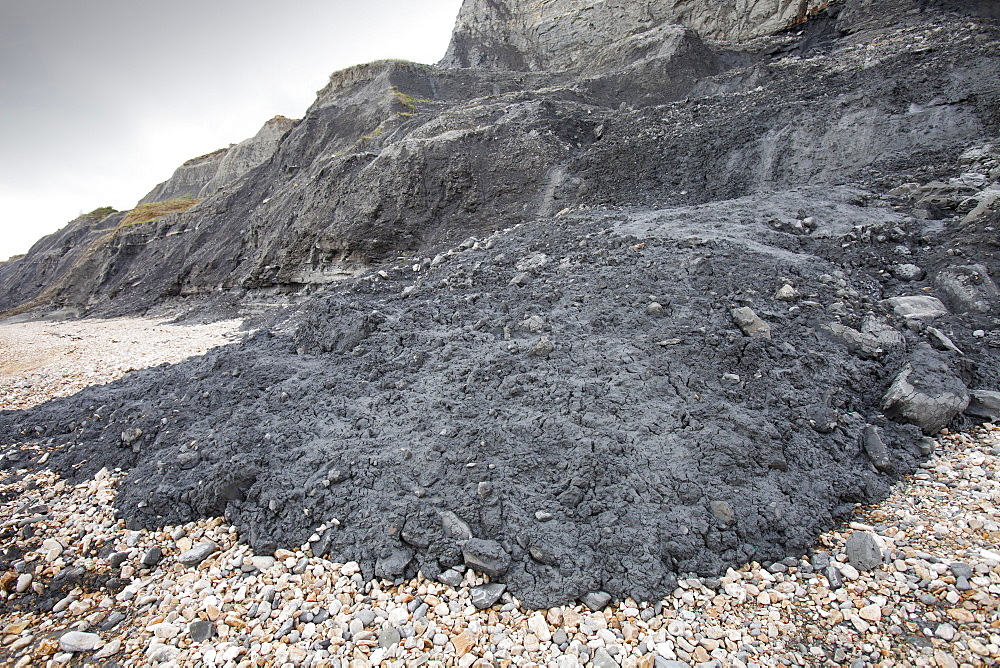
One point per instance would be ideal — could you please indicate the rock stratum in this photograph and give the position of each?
(613, 293)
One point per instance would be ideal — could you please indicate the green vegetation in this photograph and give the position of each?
(374, 133)
(147, 213)
(412, 104)
(14, 257)
(101, 212)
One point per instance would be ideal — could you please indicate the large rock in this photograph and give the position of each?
(968, 289)
(570, 34)
(917, 307)
(863, 552)
(486, 556)
(925, 392)
(984, 404)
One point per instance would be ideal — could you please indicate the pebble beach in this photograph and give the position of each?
(912, 581)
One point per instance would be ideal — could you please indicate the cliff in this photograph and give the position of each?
(401, 158)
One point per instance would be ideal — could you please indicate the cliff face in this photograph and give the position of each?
(571, 34)
(206, 175)
(540, 106)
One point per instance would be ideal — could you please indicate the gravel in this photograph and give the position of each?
(938, 527)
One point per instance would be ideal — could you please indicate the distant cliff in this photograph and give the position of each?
(206, 175)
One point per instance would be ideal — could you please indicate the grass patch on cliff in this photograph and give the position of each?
(101, 212)
(412, 104)
(147, 213)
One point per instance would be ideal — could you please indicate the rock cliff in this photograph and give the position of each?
(206, 175)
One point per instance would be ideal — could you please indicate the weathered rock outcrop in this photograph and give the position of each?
(582, 35)
(396, 157)
(204, 176)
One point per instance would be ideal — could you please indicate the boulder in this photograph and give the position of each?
(916, 307)
(925, 392)
(968, 289)
(984, 404)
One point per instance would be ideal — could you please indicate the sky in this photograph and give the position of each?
(100, 100)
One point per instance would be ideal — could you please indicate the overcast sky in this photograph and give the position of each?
(100, 100)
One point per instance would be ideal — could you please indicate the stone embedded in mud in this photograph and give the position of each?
(925, 392)
(723, 512)
(454, 527)
(875, 448)
(984, 404)
(917, 307)
(486, 556)
(907, 272)
(543, 348)
(968, 289)
(394, 564)
(750, 323)
(786, 293)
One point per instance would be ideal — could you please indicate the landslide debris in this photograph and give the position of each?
(575, 405)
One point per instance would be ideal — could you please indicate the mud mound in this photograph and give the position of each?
(600, 401)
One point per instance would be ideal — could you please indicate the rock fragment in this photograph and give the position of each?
(596, 600)
(907, 272)
(863, 552)
(198, 553)
(969, 289)
(875, 448)
(984, 404)
(485, 596)
(925, 393)
(486, 556)
(750, 323)
(917, 307)
(152, 556)
(454, 527)
(76, 641)
(201, 630)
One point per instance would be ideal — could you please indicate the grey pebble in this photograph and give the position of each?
(961, 570)
(201, 630)
(485, 596)
(388, 637)
(603, 660)
(596, 600)
(863, 552)
(451, 577)
(152, 556)
(198, 553)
